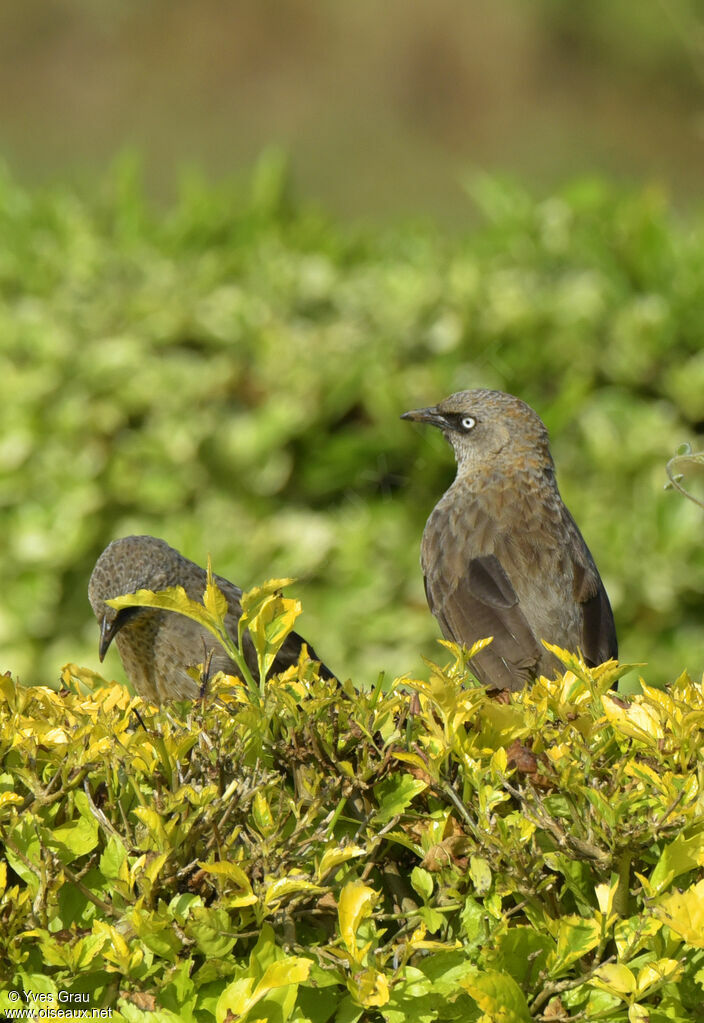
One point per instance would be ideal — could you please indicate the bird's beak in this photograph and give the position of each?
(108, 631)
(433, 416)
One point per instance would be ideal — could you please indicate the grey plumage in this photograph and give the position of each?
(501, 554)
(157, 646)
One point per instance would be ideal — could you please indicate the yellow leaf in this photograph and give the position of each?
(291, 970)
(154, 866)
(214, 600)
(116, 950)
(98, 749)
(615, 978)
(417, 941)
(660, 698)
(269, 627)
(286, 886)
(356, 902)
(369, 988)
(263, 818)
(660, 972)
(634, 933)
(605, 895)
(55, 737)
(413, 759)
(173, 598)
(638, 1014)
(678, 857)
(560, 753)
(576, 937)
(230, 871)
(637, 720)
(571, 661)
(683, 912)
(645, 773)
(332, 858)
(499, 725)
(498, 996)
(75, 677)
(480, 873)
(236, 1000)
(241, 996)
(10, 799)
(110, 697)
(499, 760)
(153, 822)
(253, 600)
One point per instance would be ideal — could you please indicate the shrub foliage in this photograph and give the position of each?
(302, 851)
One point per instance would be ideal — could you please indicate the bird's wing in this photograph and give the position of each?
(291, 651)
(599, 641)
(475, 601)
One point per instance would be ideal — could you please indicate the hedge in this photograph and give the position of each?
(305, 850)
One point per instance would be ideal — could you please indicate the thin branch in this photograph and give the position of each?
(558, 987)
(675, 480)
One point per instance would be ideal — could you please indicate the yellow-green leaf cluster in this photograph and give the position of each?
(419, 851)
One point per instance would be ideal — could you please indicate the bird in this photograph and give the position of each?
(501, 555)
(157, 646)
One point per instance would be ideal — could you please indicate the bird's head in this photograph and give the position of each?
(489, 427)
(125, 566)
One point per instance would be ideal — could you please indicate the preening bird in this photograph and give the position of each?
(158, 646)
(501, 554)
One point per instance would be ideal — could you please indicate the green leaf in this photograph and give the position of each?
(522, 952)
(211, 929)
(396, 793)
(25, 860)
(156, 933)
(242, 995)
(422, 882)
(113, 859)
(575, 938)
(498, 996)
(73, 840)
(269, 619)
(480, 872)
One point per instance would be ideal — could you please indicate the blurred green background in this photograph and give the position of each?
(470, 196)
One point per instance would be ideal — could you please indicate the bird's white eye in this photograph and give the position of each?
(468, 423)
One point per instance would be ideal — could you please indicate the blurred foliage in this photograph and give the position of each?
(319, 852)
(662, 42)
(228, 374)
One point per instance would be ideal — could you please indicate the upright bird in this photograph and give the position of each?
(157, 646)
(501, 554)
